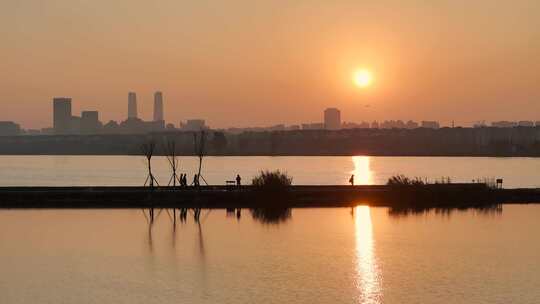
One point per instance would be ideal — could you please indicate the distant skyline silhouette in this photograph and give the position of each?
(246, 63)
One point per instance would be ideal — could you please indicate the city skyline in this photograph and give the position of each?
(64, 122)
(458, 61)
(145, 109)
(157, 110)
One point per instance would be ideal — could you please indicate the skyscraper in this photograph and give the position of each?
(158, 106)
(62, 115)
(132, 105)
(332, 119)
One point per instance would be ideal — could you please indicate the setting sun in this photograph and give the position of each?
(362, 78)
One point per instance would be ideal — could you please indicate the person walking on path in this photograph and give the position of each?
(351, 180)
(238, 180)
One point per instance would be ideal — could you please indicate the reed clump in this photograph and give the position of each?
(402, 180)
(270, 181)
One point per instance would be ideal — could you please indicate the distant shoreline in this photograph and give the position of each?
(444, 142)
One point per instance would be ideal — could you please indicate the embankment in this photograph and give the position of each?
(432, 196)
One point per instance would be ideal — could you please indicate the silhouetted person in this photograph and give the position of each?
(238, 180)
(351, 180)
(196, 180)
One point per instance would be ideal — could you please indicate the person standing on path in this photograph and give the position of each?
(238, 180)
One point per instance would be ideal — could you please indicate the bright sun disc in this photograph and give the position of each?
(362, 78)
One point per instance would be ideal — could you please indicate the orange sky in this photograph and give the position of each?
(246, 63)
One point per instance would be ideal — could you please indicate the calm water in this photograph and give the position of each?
(371, 255)
(130, 170)
(315, 256)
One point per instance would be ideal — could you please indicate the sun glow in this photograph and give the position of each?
(362, 78)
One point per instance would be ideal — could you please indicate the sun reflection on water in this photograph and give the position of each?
(362, 171)
(368, 279)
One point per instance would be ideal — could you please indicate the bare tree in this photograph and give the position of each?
(200, 141)
(148, 149)
(172, 158)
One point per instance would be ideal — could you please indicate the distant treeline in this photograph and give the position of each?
(384, 142)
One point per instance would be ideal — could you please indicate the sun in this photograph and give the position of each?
(362, 78)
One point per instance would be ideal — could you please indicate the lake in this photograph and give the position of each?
(367, 255)
(363, 255)
(130, 170)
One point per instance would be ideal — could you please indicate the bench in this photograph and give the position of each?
(230, 185)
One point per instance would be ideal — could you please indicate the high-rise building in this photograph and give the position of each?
(132, 105)
(158, 106)
(62, 115)
(332, 119)
(90, 122)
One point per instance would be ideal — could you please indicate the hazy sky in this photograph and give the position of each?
(241, 63)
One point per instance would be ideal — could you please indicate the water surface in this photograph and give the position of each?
(309, 256)
(130, 170)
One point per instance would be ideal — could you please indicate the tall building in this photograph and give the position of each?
(158, 106)
(132, 105)
(62, 115)
(332, 119)
(90, 122)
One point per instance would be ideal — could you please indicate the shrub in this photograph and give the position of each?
(272, 180)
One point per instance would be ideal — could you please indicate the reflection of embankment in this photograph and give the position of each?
(271, 215)
(494, 209)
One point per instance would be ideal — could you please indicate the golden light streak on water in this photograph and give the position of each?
(362, 171)
(368, 279)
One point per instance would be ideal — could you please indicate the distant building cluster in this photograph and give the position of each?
(280, 127)
(332, 121)
(65, 123)
(512, 124)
